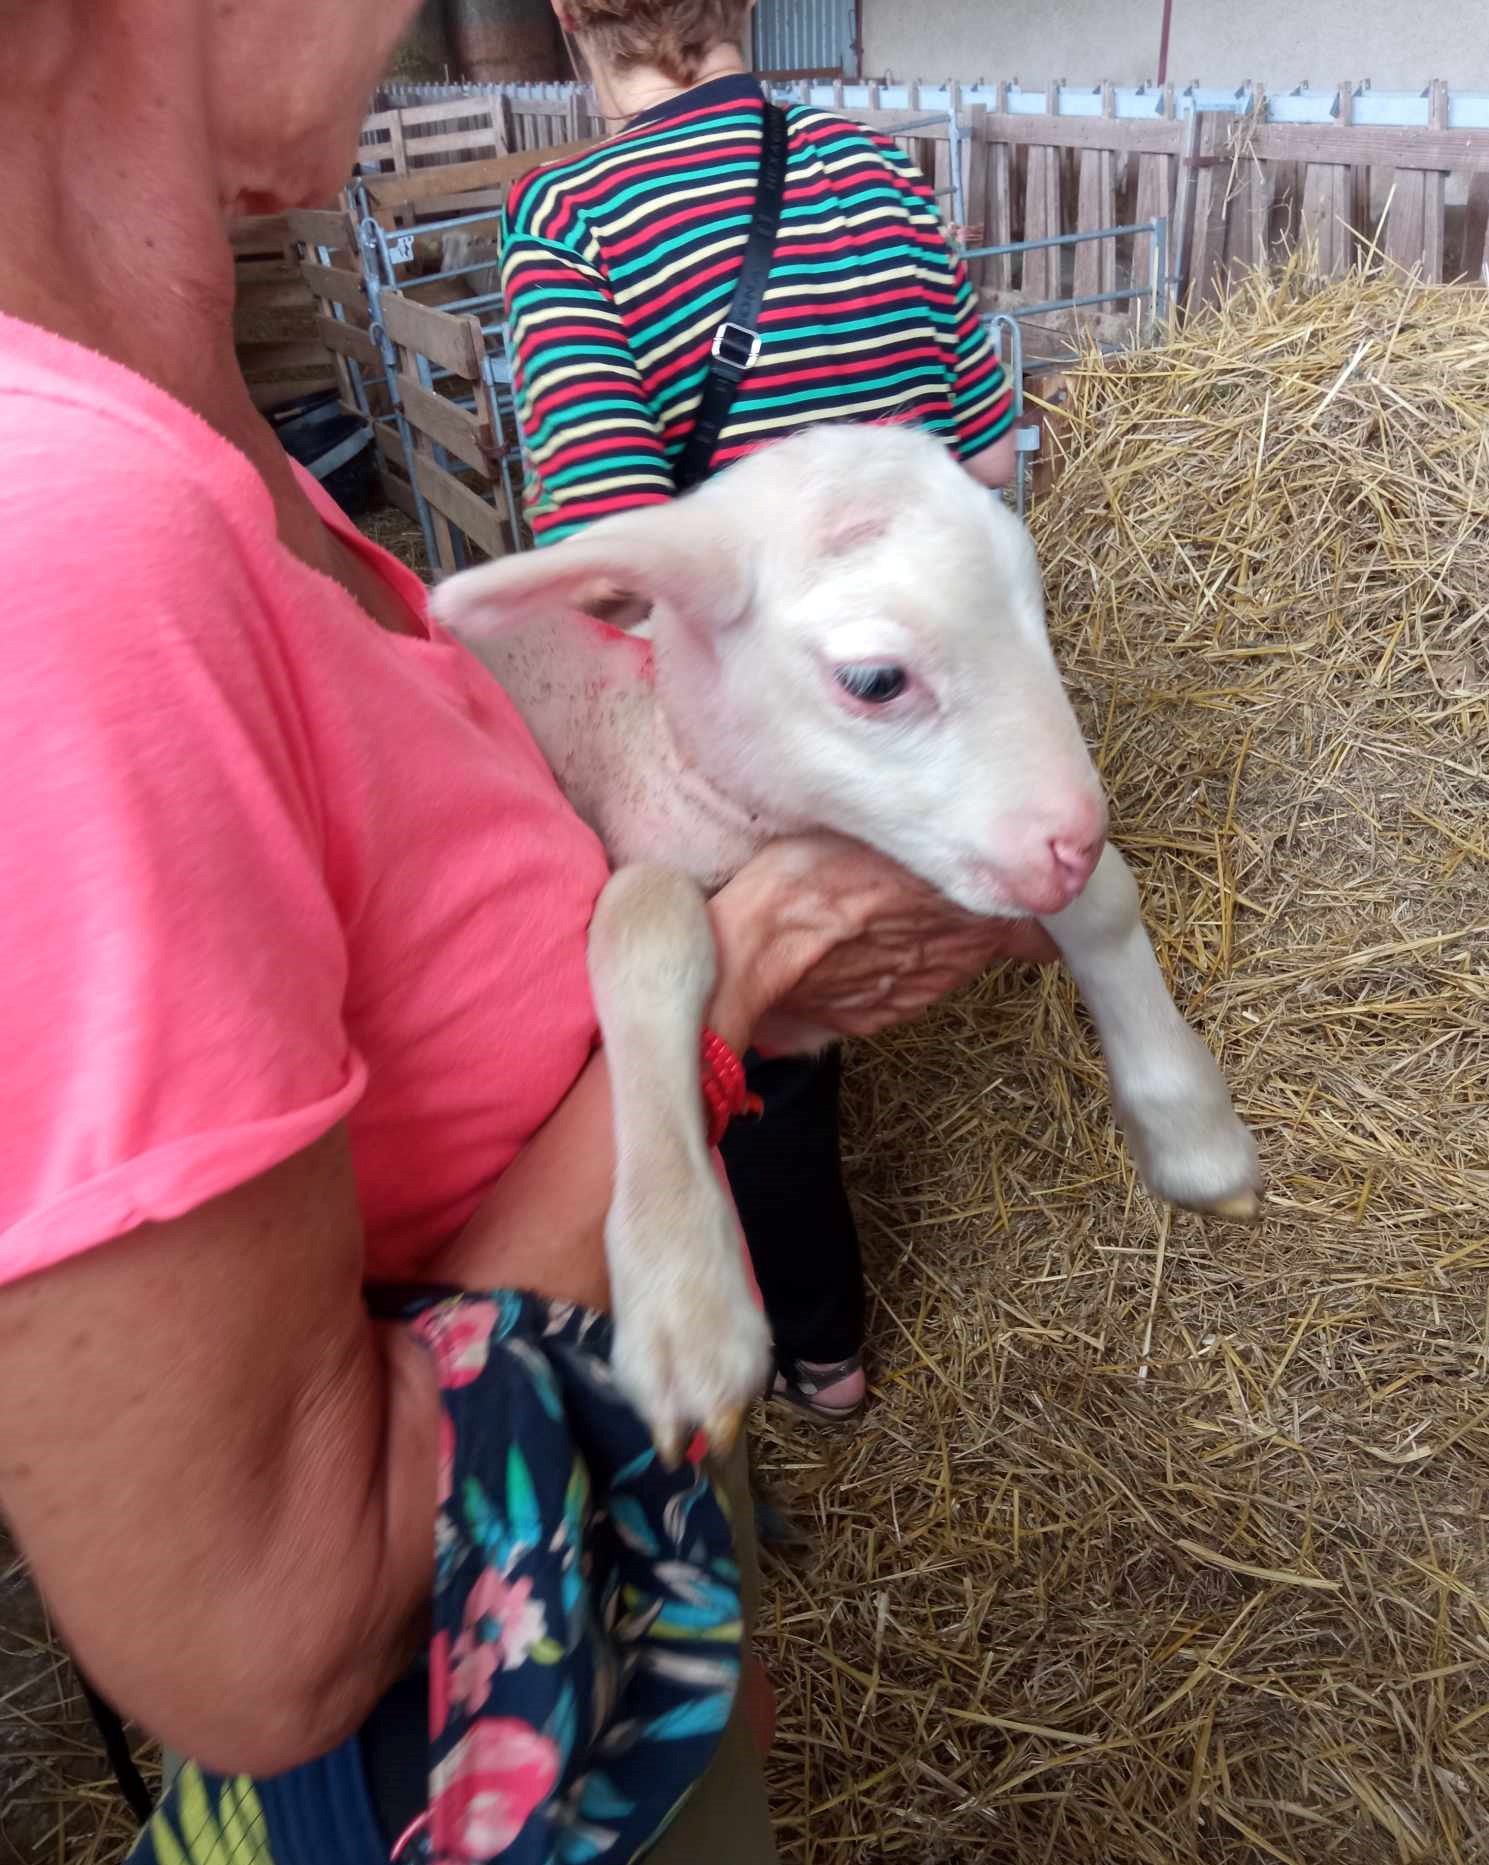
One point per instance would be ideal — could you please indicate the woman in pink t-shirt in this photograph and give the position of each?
(294, 982)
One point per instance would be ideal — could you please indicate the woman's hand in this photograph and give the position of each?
(831, 934)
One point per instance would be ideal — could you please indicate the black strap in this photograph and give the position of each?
(736, 342)
(110, 1726)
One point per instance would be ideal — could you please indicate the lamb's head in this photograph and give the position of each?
(849, 634)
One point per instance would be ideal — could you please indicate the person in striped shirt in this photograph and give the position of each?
(618, 267)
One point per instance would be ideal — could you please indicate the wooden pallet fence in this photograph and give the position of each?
(1344, 168)
(1246, 191)
(396, 142)
(443, 192)
(1040, 177)
(1154, 190)
(274, 315)
(446, 408)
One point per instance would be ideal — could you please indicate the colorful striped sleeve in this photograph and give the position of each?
(982, 401)
(591, 436)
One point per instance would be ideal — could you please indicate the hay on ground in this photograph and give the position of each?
(1168, 1541)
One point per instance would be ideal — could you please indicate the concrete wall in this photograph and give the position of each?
(1277, 42)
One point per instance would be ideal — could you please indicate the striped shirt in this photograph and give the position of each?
(619, 266)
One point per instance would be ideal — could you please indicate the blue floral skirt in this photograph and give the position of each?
(587, 1626)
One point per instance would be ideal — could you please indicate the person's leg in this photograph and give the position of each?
(785, 1171)
(726, 1818)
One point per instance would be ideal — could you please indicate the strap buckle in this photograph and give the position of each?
(736, 348)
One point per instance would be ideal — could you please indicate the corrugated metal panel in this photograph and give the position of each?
(804, 35)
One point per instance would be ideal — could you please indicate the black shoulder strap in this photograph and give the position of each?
(110, 1726)
(736, 342)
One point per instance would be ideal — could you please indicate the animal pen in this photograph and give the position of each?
(1086, 216)
(1164, 1543)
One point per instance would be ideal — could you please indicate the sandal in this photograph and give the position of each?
(813, 1388)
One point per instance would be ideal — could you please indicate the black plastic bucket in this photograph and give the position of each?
(330, 443)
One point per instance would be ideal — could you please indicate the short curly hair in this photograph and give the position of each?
(675, 36)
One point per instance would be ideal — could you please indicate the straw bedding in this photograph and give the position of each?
(1168, 1540)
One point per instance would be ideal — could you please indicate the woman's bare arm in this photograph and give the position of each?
(223, 1473)
(995, 465)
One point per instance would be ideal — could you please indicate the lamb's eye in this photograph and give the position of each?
(871, 682)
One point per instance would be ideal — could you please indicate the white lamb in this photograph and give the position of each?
(847, 633)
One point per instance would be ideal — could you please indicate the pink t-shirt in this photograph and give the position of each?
(264, 866)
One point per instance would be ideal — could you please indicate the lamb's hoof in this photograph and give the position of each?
(1244, 1208)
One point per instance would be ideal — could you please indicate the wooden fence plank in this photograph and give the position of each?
(271, 394)
(258, 297)
(319, 226)
(1211, 188)
(264, 356)
(975, 232)
(1346, 144)
(258, 233)
(456, 178)
(1248, 209)
(1414, 225)
(1356, 143)
(448, 109)
(449, 141)
(1000, 201)
(453, 342)
(1132, 136)
(1359, 174)
(1476, 226)
(343, 339)
(330, 282)
(456, 429)
(1043, 216)
(1327, 197)
(1155, 200)
(1096, 206)
(891, 122)
(463, 507)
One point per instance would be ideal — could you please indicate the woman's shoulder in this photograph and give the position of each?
(811, 124)
(94, 451)
(537, 203)
(550, 200)
(136, 540)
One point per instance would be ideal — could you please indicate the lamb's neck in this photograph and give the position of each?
(731, 830)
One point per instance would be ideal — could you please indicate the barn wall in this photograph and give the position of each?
(508, 41)
(427, 54)
(490, 41)
(1276, 42)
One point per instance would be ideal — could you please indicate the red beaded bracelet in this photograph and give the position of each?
(725, 1095)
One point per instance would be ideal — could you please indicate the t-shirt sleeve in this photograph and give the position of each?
(981, 400)
(175, 966)
(592, 439)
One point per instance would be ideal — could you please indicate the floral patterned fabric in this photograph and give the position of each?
(587, 1624)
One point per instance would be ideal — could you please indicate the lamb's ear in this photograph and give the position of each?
(684, 554)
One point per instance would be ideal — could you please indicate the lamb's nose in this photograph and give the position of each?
(1076, 861)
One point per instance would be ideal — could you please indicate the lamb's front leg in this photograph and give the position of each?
(691, 1346)
(1171, 1099)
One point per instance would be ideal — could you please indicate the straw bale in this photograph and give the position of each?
(1167, 1541)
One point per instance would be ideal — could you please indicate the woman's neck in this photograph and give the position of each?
(624, 94)
(116, 238)
(115, 231)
